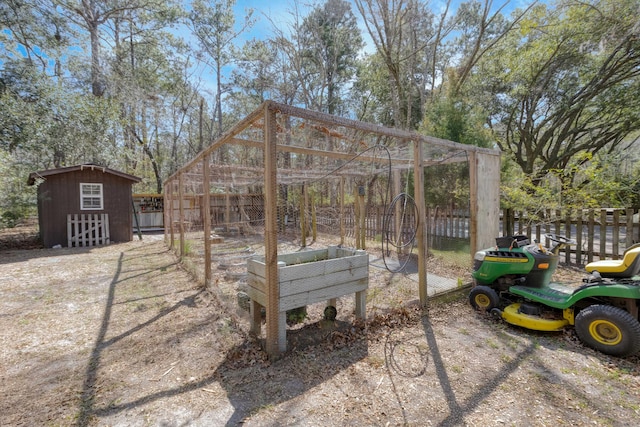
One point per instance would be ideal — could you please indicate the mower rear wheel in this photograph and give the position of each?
(483, 298)
(609, 329)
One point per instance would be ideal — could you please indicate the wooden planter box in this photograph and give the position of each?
(310, 277)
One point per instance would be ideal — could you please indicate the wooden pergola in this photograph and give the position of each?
(279, 144)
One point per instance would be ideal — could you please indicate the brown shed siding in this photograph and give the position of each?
(59, 195)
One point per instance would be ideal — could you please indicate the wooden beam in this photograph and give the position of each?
(421, 234)
(206, 201)
(181, 212)
(275, 344)
(484, 192)
(405, 163)
(371, 128)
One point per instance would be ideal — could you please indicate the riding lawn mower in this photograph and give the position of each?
(512, 281)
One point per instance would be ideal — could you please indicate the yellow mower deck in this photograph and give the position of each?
(511, 314)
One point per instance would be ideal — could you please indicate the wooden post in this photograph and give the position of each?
(303, 216)
(275, 342)
(615, 242)
(356, 223)
(603, 234)
(397, 214)
(314, 224)
(342, 229)
(418, 172)
(629, 228)
(172, 231)
(255, 311)
(181, 212)
(227, 211)
(484, 191)
(567, 233)
(590, 229)
(362, 219)
(579, 237)
(168, 210)
(206, 201)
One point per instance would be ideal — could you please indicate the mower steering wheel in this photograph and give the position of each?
(560, 240)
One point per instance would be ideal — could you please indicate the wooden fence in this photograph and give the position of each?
(599, 233)
(87, 229)
(451, 223)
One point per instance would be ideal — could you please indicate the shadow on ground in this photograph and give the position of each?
(244, 369)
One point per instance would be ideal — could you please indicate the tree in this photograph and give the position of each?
(402, 32)
(453, 111)
(330, 42)
(48, 124)
(480, 29)
(91, 15)
(214, 28)
(567, 83)
(255, 76)
(147, 75)
(35, 31)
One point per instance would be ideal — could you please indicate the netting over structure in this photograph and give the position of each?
(286, 180)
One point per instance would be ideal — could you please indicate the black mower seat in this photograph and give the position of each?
(628, 266)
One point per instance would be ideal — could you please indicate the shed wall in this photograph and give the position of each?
(59, 195)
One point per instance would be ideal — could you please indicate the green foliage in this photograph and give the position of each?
(17, 199)
(600, 180)
(296, 315)
(447, 184)
(372, 93)
(556, 86)
(329, 42)
(456, 119)
(50, 124)
(566, 85)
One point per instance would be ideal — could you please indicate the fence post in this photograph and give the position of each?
(567, 230)
(615, 244)
(603, 233)
(590, 231)
(629, 228)
(579, 237)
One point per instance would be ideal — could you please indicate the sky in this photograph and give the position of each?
(279, 12)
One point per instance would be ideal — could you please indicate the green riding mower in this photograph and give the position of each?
(512, 281)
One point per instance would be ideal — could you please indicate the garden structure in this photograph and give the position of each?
(267, 177)
(84, 205)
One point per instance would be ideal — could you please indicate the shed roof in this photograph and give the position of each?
(33, 176)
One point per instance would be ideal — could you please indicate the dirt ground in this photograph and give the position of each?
(122, 335)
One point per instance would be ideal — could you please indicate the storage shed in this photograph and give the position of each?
(84, 205)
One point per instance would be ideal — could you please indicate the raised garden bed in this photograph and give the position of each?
(309, 277)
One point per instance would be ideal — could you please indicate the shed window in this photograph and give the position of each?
(90, 196)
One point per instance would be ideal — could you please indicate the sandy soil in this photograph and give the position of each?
(122, 335)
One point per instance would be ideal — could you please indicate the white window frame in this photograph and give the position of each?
(95, 195)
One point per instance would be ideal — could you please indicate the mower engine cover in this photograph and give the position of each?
(531, 263)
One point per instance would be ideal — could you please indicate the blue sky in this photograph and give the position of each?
(280, 12)
(268, 13)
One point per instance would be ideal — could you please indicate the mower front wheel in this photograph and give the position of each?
(483, 298)
(608, 329)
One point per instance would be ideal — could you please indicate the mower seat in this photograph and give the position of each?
(628, 266)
